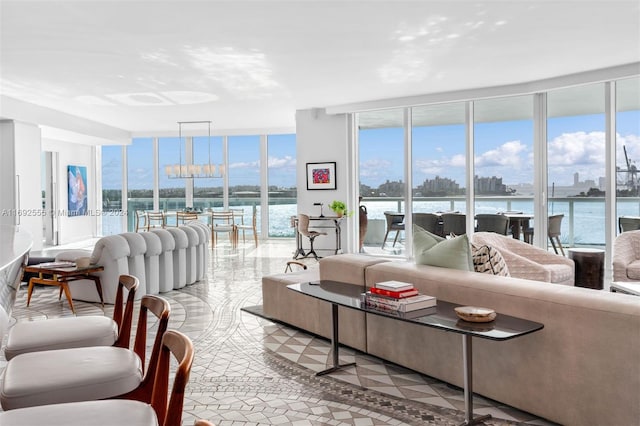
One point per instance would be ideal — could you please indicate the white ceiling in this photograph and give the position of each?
(140, 66)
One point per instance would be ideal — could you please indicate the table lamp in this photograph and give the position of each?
(319, 204)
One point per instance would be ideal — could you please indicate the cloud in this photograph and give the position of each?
(505, 155)
(577, 149)
(245, 165)
(441, 165)
(281, 162)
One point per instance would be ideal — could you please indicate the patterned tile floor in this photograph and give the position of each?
(251, 371)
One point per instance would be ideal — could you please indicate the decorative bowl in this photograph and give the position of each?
(83, 262)
(475, 313)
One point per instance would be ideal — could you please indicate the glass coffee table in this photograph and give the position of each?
(503, 327)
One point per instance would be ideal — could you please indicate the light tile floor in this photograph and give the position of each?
(251, 371)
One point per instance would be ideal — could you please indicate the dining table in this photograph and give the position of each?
(518, 222)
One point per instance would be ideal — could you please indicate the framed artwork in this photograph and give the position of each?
(321, 175)
(77, 187)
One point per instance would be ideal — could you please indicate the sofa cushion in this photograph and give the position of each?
(633, 270)
(431, 249)
(489, 260)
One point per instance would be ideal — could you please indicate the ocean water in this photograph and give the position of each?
(583, 222)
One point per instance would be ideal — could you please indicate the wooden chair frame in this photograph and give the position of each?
(124, 318)
(154, 217)
(223, 222)
(247, 227)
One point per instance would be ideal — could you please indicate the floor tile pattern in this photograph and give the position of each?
(251, 371)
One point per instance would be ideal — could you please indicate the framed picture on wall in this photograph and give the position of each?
(321, 175)
(77, 188)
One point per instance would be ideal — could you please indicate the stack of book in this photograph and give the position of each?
(397, 296)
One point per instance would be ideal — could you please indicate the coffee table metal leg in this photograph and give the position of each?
(467, 356)
(334, 345)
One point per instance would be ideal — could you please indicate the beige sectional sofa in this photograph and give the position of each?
(583, 368)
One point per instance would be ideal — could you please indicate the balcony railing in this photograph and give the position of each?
(583, 223)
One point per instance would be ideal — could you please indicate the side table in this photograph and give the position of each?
(59, 274)
(589, 264)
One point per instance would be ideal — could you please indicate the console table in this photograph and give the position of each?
(334, 223)
(504, 327)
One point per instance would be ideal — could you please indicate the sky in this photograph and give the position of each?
(505, 149)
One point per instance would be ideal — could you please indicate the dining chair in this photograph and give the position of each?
(628, 223)
(156, 220)
(454, 223)
(141, 221)
(427, 221)
(77, 332)
(88, 373)
(395, 222)
(184, 217)
(497, 223)
(554, 231)
(241, 226)
(303, 230)
(153, 406)
(223, 222)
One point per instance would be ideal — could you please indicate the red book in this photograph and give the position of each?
(394, 294)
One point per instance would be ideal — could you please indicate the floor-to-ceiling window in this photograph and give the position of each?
(628, 147)
(244, 176)
(281, 152)
(111, 189)
(139, 178)
(381, 140)
(208, 154)
(576, 162)
(171, 190)
(438, 158)
(503, 155)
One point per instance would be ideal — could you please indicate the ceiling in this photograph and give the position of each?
(141, 66)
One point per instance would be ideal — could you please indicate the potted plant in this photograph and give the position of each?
(339, 208)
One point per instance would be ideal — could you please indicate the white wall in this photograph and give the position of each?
(75, 228)
(324, 138)
(20, 192)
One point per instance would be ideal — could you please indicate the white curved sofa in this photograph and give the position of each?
(165, 259)
(157, 258)
(112, 253)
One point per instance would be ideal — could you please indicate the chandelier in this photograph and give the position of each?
(188, 169)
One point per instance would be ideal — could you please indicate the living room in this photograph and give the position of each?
(340, 127)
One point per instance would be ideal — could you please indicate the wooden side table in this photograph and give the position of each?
(60, 274)
(589, 264)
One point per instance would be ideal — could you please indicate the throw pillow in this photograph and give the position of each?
(431, 249)
(488, 260)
